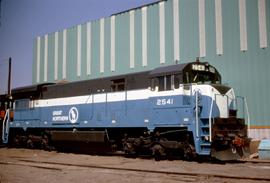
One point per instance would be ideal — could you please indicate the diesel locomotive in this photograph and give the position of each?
(181, 109)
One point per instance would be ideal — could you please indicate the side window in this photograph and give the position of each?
(161, 82)
(177, 79)
(153, 84)
(118, 85)
(165, 83)
(22, 104)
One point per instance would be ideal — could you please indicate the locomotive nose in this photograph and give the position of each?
(222, 89)
(225, 100)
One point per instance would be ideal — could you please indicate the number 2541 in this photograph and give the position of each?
(165, 101)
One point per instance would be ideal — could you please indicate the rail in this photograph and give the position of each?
(5, 128)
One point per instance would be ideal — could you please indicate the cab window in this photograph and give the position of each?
(118, 85)
(165, 83)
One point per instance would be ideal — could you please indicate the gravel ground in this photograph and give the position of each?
(22, 165)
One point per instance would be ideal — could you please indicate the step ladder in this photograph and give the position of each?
(204, 137)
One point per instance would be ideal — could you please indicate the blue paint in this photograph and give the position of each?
(165, 111)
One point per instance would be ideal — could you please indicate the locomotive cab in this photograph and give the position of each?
(218, 130)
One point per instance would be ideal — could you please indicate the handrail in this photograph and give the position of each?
(197, 114)
(88, 99)
(248, 118)
(210, 122)
(5, 127)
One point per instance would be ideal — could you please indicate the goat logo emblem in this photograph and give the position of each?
(73, 115)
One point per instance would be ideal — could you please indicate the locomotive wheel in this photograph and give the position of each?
(189, 152)
(16, 141)
(29, 144)
(158, 151)
(44, 143)
(129, 149)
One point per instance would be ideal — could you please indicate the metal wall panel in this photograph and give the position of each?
(107, 48)
(122, 50)
(112, 50)
(71, 65)
(83, 53)
(131, 39)
(189, 25)
(79, 49)
(60, 55)
(95, 41)
(153, 36)
(162, 48)
(50, 57)
(41, 71)
(202, 27)
(243, 25)
(140, 36)
(169, 55)
(88, 48)
(64, 55)
(56, 56)
(38, 60)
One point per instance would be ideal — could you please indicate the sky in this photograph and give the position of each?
(23, 20)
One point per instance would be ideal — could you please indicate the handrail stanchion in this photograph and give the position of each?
(197, 114)
(5, 127)
(210, 122)
(247, 112)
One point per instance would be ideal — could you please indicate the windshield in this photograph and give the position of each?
(201, 77)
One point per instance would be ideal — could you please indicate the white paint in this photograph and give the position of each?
(38, 60)
(221, 102)
(45, 58)
(132, 39)
(144, 36)
(142, 94)
(176, 46)
(101, 46)
(79, 40)
(55, 55)
(113, 43)
(162, 32)
(243, 25)
(64, 65)
(262, 24)
(88, 47)
(101, 97)
(202, 28)
(218, 21)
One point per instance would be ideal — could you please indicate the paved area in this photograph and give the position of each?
(22, 165)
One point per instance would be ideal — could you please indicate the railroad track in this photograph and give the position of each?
(55, 166)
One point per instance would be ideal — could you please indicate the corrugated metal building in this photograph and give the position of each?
(233, 35)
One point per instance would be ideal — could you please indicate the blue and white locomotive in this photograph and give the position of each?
(181, 109)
